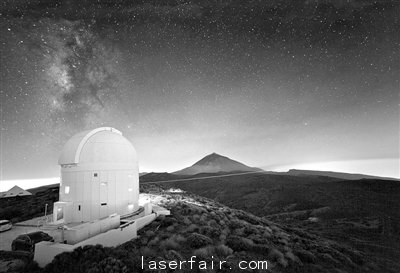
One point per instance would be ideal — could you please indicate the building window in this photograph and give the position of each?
(104, 204)
(130, 189)
(103, 183)
(66, 191)
(95, 174)
(60, 213)
(79, 207)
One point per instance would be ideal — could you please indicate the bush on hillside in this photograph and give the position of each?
(305, 256)
(223, 251)
(197, 240)
(239, 243)
(79, 260)
(210, 231)
(109, 265)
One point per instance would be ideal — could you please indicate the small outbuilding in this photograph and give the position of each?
(15, 191)
(99, 177)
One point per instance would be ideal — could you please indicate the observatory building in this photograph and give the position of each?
(99, 177)
(99, 195)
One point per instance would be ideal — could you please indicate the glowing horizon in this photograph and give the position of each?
(383, 167)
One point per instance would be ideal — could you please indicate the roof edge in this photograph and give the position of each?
(88, 136)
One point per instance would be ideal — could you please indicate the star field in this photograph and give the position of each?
(268, 84)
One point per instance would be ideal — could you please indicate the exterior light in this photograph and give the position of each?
(66, 190)
(130, 189)
(130, 206)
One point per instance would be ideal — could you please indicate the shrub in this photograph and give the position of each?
(143, 241)
(109, 265)
(239, 243)
(170, 228)
(193, 228)
(306, 256)
(187, 221)
(196, 218)
(179, 238)
(210, 231)
(283, 262)
(212, 223)
(274, 229)
(203, 218)
(79, 260)
(274, 254)
(168, 221)
(222, 251)
(170, 243)
(250, 230)
(235, 223)
(150, 233)
(267, 234)
(154, 241)
(328, 258)
(173, 255)
(262, 248)
(203, 253)
(283, 241)
(197, 240)
(239, 231)
(147, 252)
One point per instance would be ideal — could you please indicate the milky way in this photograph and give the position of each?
(269, 84)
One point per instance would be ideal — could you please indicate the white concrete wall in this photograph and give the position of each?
(122, 189)
(46, 251)
(87, 230)
(160, 210)
(113, 237)
(141, 222)
(147, 209)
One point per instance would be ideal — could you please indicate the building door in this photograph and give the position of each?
(78, 213)
(103, 199)
(59, 212)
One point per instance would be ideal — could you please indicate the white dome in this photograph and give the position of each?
(102, 145)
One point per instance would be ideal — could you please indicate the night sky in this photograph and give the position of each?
(272, 84)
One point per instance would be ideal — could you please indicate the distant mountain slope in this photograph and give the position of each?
(347, 176)
(215, 163)
(152, 177)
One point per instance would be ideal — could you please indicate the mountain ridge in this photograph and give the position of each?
(340, 175)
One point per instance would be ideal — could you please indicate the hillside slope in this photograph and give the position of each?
(363, 214)
(213, 232)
